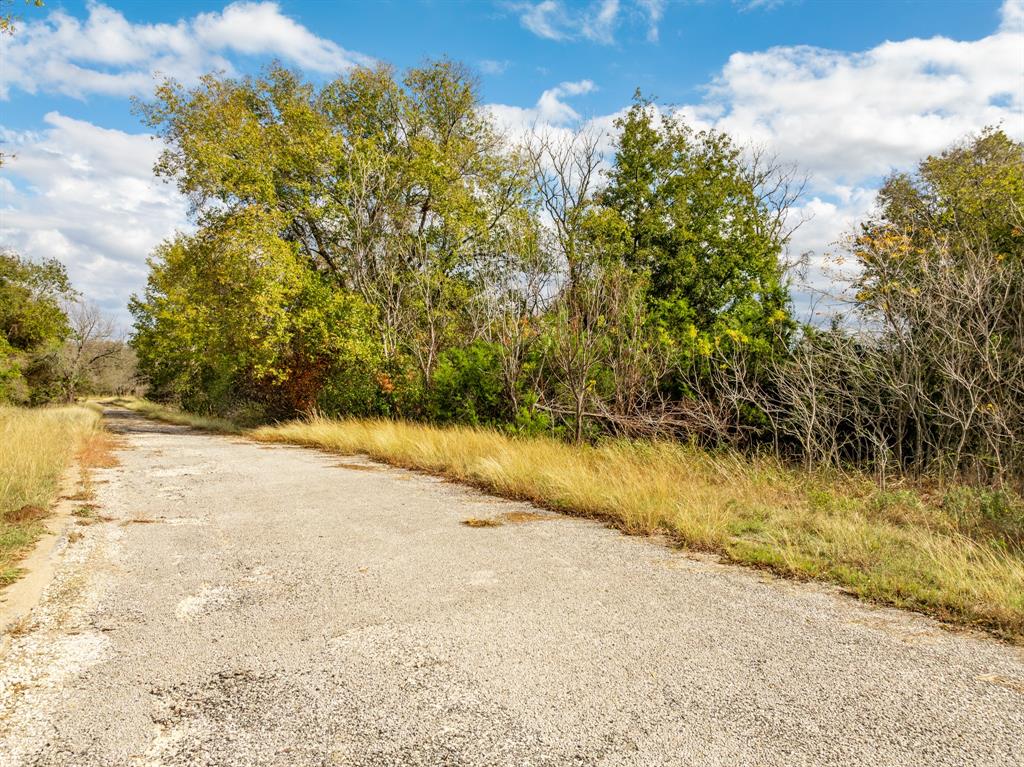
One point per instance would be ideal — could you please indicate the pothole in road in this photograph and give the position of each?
(360, 466)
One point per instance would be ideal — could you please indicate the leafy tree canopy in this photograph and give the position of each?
(33, 322)
(232, 313)
(688, 212)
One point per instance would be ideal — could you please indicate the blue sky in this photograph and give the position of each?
(694, 40)
(849, 90)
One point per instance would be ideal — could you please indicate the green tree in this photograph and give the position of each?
(689, 211)
(33, 324)
(974, 190)
(393, 190)
(232, 316)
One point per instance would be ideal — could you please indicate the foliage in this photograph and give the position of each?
(467, 387)
(33, 324)
(375, 247)
(686, 210)
(231, 315)
(386, 192)
(924, 375)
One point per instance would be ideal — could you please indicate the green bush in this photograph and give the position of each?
(467, 387)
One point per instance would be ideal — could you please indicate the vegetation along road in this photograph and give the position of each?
(233, 603)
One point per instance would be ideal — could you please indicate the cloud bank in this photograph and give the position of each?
(107, 54)
(88, 197)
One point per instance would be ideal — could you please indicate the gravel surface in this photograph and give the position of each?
(243, 604)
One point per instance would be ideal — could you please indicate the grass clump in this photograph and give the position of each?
(481, 522)
(897, 547)
(36, 446)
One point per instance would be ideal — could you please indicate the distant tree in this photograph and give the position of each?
(92, 340)
(115, 373)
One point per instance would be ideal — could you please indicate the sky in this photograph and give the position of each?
(850, 91)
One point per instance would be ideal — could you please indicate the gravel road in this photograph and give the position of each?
(243, 604)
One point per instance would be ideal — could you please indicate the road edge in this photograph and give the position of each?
(40, 564)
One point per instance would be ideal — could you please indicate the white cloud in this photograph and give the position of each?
(492, 67)
(821, 285)
(847, 117)
(107, 54)
(600, 26)
(556, 20)
(1012, 16)
(654, 9)
(546, 19)
(87, 196)
(757, 5)
(259, 27)
(550, 109)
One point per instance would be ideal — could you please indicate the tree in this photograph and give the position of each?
(394, 190)
(512, 292)
(706, 225)
(602, 362)
(941, 289)
(565, 170)
(91, 340)
(231, 315)
(33, 324)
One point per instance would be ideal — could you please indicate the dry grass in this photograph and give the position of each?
(895, 548)
(36, 446)
(173, 415)
(98, 450)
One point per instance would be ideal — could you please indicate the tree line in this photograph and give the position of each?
(375, 246)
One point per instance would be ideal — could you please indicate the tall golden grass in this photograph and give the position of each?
(36, 446)
(896, 548)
